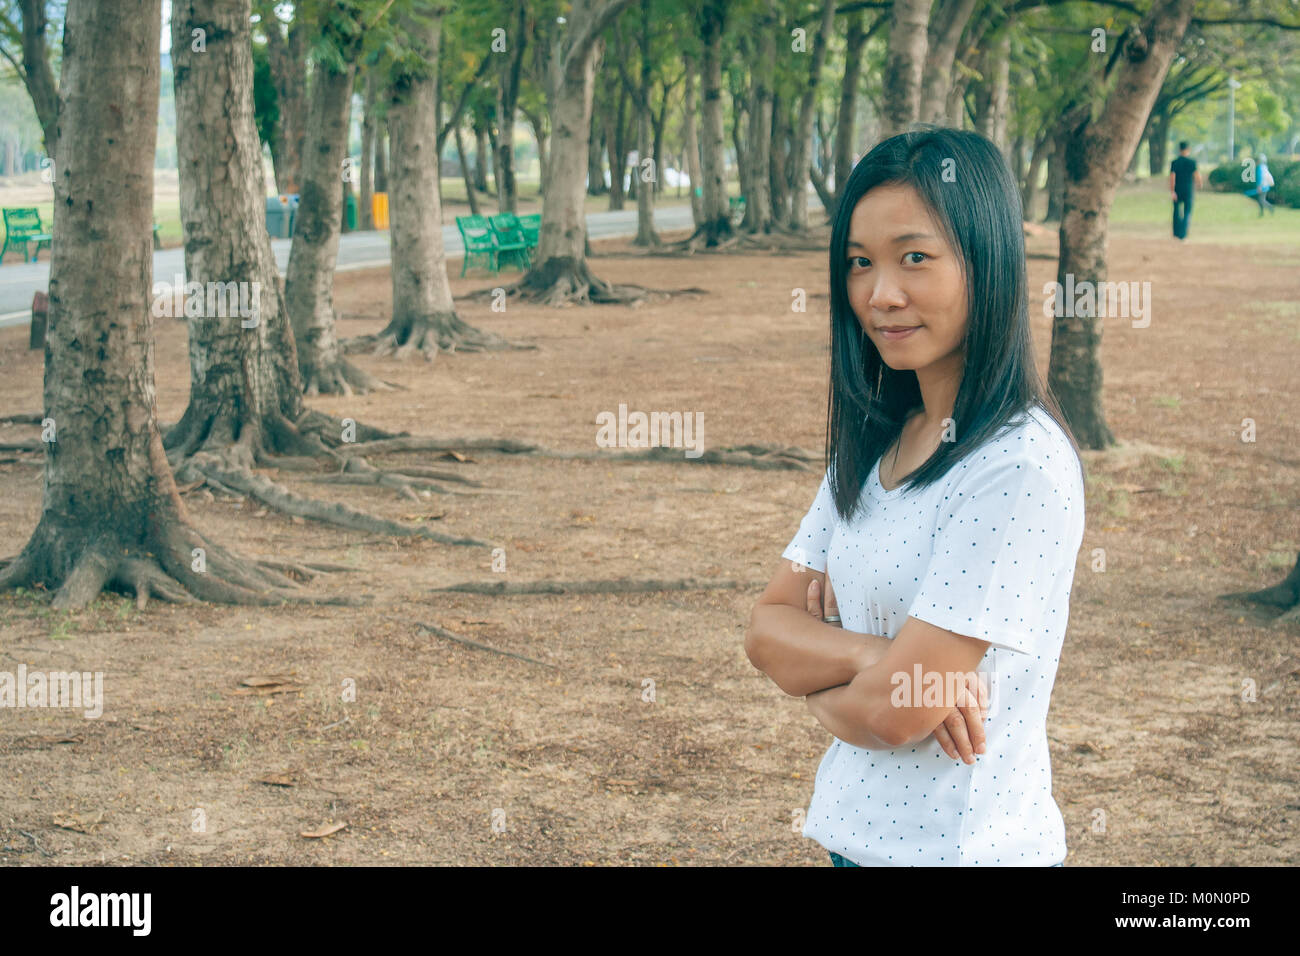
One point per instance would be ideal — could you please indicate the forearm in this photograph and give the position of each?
(803, 655)
(839, 711)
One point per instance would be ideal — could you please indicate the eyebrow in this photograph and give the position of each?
(906, 237)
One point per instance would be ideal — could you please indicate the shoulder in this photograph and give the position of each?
(1032, 447)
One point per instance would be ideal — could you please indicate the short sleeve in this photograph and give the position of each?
(1005, 545)
(814, 537)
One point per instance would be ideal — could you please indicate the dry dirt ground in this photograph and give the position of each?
(455, 755)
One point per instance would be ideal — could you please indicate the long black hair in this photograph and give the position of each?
(964, 181)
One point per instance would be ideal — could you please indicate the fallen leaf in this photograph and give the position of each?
(323, 831)
(79, 822)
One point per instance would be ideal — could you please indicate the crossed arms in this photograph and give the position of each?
(849, 679)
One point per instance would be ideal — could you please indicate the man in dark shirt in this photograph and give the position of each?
(1182, 171)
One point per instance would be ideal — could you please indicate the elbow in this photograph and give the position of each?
(893, 726)
(753, 640)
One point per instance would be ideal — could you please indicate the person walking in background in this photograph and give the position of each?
(1263, 183)
(1182, 172)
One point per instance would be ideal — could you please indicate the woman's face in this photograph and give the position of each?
(905, 282)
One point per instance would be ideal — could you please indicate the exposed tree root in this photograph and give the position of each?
(168, 560)
(749, 456)
(344, 378)
(233, 472)
(1285, 594)
(444, 633)
(780, 241)
(624, 586)
(427, 334)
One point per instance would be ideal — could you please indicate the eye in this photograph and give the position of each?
(921, 254)
(859, 262)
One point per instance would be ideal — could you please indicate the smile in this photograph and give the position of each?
(900, 332)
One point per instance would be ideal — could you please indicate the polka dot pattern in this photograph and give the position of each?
(987, 552)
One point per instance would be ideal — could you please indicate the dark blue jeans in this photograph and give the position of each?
(838, 860)
(1182, 216)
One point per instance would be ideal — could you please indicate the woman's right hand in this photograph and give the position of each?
(961, 735)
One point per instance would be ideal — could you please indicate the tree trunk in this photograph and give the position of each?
(481, 153)
(287, 55)
(309, 281)
(1158, 144)
(904, 64)
(381, 156)
(424, 319)
(946, 24)
(537, 121)
(717, 213)
(758, 199)
(778, 159)
(846, 117)
(1029, 186)
(691, 143)
(465, 173)
(614, 123)
(1056, 178)
(507, 102)
(595, 155)
(645, 178)
(365, 215)
(991, 98)
(559, 272)
(111, 514)
(802, 158)
(37, 75)
(1099, 151)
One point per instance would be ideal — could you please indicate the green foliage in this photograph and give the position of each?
(266, 102)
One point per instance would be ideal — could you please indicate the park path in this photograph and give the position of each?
(357, 250)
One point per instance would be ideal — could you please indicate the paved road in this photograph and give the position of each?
(357, 250)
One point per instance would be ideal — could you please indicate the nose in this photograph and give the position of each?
(886, 294)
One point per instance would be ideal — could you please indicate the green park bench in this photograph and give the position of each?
(23, 227)
(736, 204)
(510, 239)
(480, 242)
(532, 227)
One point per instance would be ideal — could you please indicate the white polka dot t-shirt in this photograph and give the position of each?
(988, 551)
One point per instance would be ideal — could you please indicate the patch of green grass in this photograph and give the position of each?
(1167, 401)
(1174, 464)
(1216, 217)
(1102, 494)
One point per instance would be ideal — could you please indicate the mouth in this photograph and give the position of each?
(893, 332)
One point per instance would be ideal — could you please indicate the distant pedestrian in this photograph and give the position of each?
(1263, 183)
(1182, 173)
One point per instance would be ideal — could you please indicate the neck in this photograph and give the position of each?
(939, 383)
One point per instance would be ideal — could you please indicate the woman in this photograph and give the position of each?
(949, 520)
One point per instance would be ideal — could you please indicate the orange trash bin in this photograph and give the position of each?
(379, 210)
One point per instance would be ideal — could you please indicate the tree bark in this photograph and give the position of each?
(1158, 144)
(904, 65)
(691, 142)
(991, 98)
(1056, 178)
(802, 158)
(424, 319)
(758, 199)
(287, 54)
(559, 272)
(946, 24)
(1097, 155)
(465, 173)
(507, 103)
(717, 214)
(381, 156)
(645, 193)
(481, 154)
(846, 117)
(309, 281)
(1029, 189)
(37, 75)
(615, 121)
(365, 215)
(111, 514)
